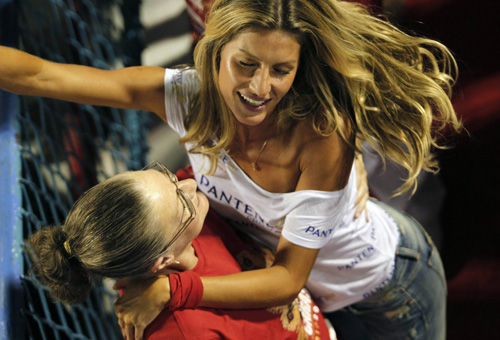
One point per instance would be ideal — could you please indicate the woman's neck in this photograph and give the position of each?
(187, 258)
(255, 134)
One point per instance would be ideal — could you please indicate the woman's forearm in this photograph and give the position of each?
(18, 71)
(262, 288)
(26, 74)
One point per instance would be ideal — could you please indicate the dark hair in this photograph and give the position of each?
(109, 232)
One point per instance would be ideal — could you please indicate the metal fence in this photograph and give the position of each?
(52, 151)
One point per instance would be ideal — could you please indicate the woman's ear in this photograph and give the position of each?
(162, 262)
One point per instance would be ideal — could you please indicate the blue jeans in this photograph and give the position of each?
(413, 304)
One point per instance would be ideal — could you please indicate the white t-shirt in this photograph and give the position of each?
(356, 257)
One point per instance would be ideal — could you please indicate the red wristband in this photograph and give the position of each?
(186, 289)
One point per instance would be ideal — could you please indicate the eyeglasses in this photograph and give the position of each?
(185, 200)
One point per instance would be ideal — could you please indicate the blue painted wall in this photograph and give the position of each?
(10, 226)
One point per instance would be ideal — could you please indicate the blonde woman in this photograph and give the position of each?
(271, 113)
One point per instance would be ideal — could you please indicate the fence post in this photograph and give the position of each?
(10, 242)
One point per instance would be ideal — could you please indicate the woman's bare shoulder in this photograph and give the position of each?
(325, 161)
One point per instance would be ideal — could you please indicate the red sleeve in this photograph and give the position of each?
(186, 289)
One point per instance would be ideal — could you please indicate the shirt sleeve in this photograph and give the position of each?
(181, 86)
(312, 223)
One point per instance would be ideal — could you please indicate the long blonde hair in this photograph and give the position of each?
(394, 89)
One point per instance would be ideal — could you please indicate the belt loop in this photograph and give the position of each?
(408, 253)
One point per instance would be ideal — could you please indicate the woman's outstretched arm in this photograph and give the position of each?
(128, 88)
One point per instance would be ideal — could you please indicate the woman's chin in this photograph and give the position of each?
(251, 120)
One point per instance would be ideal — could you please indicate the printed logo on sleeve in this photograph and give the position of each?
(318, 232)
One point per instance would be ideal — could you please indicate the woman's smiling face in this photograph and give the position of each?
(257, 68)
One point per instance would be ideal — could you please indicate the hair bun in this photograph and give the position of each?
(56, 267)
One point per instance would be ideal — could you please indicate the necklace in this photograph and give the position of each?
(255, 164)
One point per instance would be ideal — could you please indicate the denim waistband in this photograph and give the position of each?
(414, 241)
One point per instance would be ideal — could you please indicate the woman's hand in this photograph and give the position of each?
(362, 185)
(141, 302)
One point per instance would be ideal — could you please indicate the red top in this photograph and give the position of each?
(300, 320)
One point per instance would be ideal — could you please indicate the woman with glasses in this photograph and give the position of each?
(271, 113)
(142, 225)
